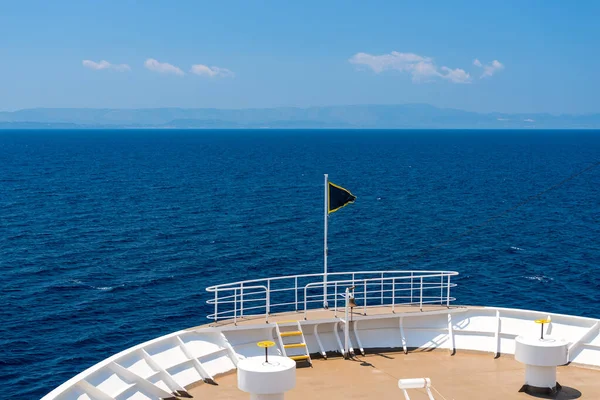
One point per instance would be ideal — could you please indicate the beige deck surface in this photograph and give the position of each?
(321, 313)
(464, 376)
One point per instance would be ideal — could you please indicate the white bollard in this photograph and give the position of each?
(541, 357)
(415, 383)
(266, 380)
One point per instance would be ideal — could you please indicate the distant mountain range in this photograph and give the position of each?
(406, 116)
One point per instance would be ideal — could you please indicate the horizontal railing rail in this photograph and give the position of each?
(301, 293)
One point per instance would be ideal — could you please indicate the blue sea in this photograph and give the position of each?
(109, 238)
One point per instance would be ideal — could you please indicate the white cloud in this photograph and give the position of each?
(421, 68)
(165, 68)
(489, 69)
(456, 75)
(105, 65)
(203, 70)
(394, 60)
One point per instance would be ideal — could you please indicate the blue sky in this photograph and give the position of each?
(245, 54)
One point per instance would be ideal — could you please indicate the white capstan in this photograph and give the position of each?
(266, 380)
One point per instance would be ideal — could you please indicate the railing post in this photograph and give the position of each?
(448, 293)
(268, 308)
(235, 306)
(296, 293)
(335, 294)
(268, 296)
(382, 288)
(421, 296)
(305, 288)
(242, 299)
(365, 297)
(346, 324)
(216, 303)
(442, 288)
(411, 288)
(393, 294)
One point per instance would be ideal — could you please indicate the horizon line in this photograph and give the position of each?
(301, 108)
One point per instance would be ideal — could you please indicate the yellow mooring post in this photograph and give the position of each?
(266, 344)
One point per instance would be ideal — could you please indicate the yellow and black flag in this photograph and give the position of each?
(338, 197)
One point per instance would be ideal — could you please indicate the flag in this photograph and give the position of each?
(338, 197)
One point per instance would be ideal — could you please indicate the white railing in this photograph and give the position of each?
(262, 297)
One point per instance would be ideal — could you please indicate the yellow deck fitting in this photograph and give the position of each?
(542, 322)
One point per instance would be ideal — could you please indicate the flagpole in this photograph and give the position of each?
(325, 242)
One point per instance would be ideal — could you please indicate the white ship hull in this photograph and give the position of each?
(170, 364)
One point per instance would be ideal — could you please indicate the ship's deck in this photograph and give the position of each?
(465, 375)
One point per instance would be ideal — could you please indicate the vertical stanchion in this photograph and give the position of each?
(448, 293)
(411, 288)
(393, 293)
(441, 288)
(235, 306)
(421, 296)
(242, 299)
(268, 296)
(216, 303)
(335, 296)
(365, 297)
(346, 324)
(325, 218)
(305, 296)
(382, 288)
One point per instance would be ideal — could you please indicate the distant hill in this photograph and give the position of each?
(407, 116)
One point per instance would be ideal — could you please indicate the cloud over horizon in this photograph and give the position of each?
(103, 64)
(488, 69)
(212, 72)
(163, 68)
(421, 68)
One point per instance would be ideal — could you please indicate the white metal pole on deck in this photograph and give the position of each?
(346, 325)
(325, 241)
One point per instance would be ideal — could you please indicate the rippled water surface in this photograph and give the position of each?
(108, 238)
